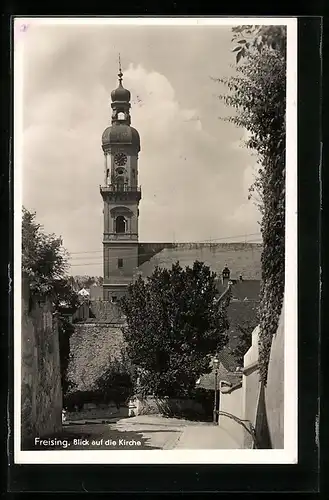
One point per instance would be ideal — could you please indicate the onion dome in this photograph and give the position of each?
(120, 94)
(120, 133)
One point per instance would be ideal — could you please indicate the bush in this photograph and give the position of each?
(78, 399)
(117, 383)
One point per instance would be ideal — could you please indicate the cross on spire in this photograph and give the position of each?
(120, 75)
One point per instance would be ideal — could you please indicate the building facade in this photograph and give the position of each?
(121, 196)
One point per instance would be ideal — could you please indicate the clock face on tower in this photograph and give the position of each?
(120, 159)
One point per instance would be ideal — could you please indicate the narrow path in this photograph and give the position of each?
(139, 433)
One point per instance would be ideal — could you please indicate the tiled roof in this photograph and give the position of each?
(227, 360)
(249, 289)
(241, 290)
(207, 381)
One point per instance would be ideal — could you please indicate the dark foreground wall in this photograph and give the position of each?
(41, 393)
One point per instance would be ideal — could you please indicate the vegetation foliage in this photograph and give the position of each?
(78, 282)
(45, 263)
(117, 383)
(258, 95)
(175, 322)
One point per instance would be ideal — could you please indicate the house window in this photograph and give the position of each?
(120, 224)
(120, 263)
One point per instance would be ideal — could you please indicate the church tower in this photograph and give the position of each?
(121, 195)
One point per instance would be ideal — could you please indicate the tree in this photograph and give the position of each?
(175, 322)
(251, 37)
(258, 96)
(45, 262)
(79, 282)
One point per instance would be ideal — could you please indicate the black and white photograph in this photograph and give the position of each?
(155, 240)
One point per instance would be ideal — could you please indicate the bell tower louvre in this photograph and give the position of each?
(121, 196)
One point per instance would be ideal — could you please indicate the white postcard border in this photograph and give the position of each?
(289, 454)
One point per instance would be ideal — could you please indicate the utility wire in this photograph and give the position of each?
(184, 242)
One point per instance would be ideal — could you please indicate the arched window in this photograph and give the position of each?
(121, 116)
(120, 183)
(120, 224)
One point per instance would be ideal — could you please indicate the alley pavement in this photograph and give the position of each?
(144, 432)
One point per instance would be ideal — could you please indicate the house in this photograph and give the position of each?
(84, 293)
(242, 316)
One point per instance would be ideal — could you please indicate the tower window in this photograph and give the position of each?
(120, 183)
(121, 116)
(114, 298)
(120, 263)
(120, 224)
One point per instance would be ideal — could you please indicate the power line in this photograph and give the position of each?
(128, 258)
(149, 254)
(182, 243)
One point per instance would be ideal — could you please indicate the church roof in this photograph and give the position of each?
(241, 258)
(121, 133)
(248, 289)
(120, 94)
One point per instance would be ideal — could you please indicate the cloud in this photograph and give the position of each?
(193, 182)
(247, 214)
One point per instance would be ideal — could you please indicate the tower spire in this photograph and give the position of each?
(120, 75)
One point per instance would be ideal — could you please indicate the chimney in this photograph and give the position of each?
(226, 273)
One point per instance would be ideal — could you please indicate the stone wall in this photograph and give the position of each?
(92, 346)
(41, 392)
(168, 406)
(105, 311)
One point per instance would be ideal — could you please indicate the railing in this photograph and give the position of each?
(121, 188)
(120, 236)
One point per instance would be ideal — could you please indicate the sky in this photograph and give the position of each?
(193, 167)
